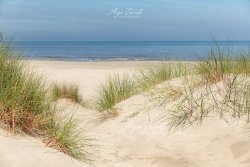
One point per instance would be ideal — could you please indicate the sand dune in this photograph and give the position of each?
(136, 137)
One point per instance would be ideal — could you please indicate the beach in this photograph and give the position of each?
(88, 75)
(136, 137)
(124, 83)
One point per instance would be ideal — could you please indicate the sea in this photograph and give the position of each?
(126, 50)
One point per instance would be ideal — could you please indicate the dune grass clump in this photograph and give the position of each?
(67, 91)
(66, 137)
(243, 64)
(113, 91)
(236, 97)
(193, 106)
(221, 63)
(223, 87)
(154, 74)
(159, 73)
(25, 108)
(119, 88)
(216, 66)
(160, 96)
(229, 100)
(23, 95)
(219, 84)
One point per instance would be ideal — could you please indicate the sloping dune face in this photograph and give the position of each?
(139, 135)
(28, 151)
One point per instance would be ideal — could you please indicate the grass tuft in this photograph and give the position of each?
(113, 91)
(23, 94)
(66, 137)
(67, 91)
(221, 63)
(223, 87)
(156, 74)
(119, 88)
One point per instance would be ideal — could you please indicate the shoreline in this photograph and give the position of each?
(104, 64)
(115, 65)
(113, 60)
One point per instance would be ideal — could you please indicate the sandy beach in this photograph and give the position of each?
(87, 75)
(128, 141)
(124, 83)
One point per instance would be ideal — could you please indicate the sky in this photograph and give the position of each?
(94, 20)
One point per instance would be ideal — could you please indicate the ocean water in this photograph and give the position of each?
(125, 50)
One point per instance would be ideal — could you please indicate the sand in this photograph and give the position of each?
(139, 141)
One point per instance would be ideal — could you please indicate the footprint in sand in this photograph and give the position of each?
(172, 162)
(240, 148)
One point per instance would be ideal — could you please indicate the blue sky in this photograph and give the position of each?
(160, 20)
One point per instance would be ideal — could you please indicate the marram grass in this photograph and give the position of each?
(221, 63)
(120, 87)
(67, 91)
(66, 137)
(113, 91)
(158, 73)
(23, 94)
(222, 86)
(25, 108)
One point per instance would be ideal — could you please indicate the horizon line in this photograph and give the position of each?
(132, 40)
